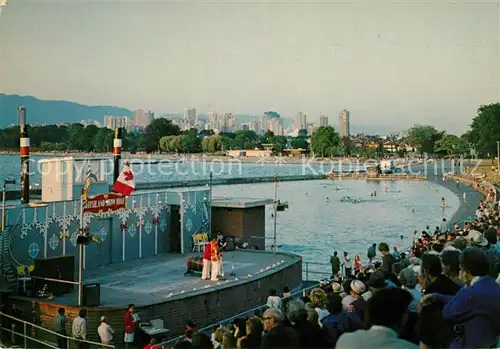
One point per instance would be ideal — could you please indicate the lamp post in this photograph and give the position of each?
(498, 155)
(4, 190)
(275, 211)
(210, 212)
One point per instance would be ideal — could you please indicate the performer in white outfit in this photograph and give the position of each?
(215, 258)
(207, 256)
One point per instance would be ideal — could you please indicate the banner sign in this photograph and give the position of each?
(105, 203)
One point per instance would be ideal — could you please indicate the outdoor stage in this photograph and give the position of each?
(156, 279)
(159, 289)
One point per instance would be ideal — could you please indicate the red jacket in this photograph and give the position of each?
(129, 323)
(207, 254)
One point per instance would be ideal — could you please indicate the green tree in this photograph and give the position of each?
(325, 141)
(423, 137)
(346, 145)
(451, 145)
(299, 143)
(103, 141)
(155, 130)
(279, 143)
(77, 137)
(485, 129)
(190, 143)
(176, 144)
(211, 144)
(165, 143)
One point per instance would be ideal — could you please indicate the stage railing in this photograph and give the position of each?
(24, 334)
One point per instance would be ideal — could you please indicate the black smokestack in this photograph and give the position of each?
(24, 152)
(117, 152)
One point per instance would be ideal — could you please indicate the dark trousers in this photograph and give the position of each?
(348, 271)
(61, 342)
(81, 345)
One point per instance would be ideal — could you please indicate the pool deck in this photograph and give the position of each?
(161, 278)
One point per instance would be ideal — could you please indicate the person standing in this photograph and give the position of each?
(347, 264)
(60, 327)
(371, 253)
(105, 331)
(207, 256)
(335, 262)
(215, 258)
(130, 325)
(221, 243)
(79, 329)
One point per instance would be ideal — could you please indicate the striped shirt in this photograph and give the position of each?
(60, 324)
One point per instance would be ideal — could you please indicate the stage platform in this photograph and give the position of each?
(161, 278)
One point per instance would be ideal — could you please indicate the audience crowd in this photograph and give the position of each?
(443, 292)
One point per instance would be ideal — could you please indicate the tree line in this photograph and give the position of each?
(163, 136)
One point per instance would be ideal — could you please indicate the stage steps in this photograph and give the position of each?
(7, 270)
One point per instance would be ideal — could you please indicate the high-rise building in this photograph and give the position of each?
(255, 125)
(190, 116)
(323, 120)
(277, 127)
(344, 123)
(300, 121)
(142, 118)
(113, 122)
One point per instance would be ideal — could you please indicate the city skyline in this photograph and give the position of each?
(394, 64)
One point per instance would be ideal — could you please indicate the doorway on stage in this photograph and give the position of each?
(174, 230)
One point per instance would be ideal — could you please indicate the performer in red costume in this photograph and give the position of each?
(207, 257)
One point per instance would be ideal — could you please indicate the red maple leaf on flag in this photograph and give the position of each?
(128, 175)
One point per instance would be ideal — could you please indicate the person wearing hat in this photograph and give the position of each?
(105, 331)
(476, 239)
(376, 282)
(359, 304)
(336, 287)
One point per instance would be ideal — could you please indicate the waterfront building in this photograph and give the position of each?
(142, 118)
(190, 116)
(113, 122)
(300, 121)
(344, 123)
(323, 120)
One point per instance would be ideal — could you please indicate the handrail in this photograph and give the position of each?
(55, 280)
(51, 332)
(260, 307)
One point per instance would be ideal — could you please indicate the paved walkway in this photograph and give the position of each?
(473, 197)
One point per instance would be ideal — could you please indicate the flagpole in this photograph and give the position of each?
(80, 257)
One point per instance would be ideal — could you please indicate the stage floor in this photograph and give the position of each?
(152, 280)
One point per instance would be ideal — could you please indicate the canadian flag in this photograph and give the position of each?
(125, 184)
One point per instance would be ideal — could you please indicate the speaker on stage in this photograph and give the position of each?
(91, 296)
(60, 267)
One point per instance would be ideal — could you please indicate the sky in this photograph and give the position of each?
(392, 64)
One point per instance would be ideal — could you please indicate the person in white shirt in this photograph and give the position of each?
(79, 328)
(273, 300)
(105, 331)
(347, 264)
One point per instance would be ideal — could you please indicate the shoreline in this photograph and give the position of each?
(278, 160)
(465, 210)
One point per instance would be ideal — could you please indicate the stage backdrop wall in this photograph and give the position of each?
(139, 231)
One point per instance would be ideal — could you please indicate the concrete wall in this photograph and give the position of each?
(140, 231)
(241, 222)
(205, 308)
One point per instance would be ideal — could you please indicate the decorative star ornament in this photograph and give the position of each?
(63, 235)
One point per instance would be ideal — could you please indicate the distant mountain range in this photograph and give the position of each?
(53, 112)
